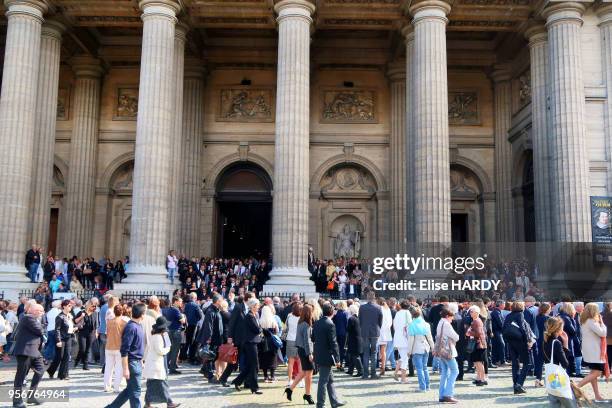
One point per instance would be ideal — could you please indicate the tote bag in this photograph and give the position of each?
(556, 379)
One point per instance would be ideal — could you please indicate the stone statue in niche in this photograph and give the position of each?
(127, 104)
(345, 106)
(62, 104)
(463, 108)
(348, 243)
(245, 105)
(525, 88)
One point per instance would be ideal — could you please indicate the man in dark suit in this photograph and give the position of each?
(212, 334)
(370, 320)
(32, 260)
(326, 355)
(235, 335)
(28, 340)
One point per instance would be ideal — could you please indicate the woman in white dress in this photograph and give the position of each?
(385, 334)
(401, 322)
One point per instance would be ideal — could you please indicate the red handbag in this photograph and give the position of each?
(228, 353)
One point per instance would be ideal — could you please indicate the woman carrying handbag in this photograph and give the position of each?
(444, 349)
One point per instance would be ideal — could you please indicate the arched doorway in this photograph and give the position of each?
(244, 211)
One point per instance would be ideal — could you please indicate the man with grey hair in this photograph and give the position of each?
(278, 308)
(498, 345)
(49, 350)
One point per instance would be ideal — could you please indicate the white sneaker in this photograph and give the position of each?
(301, 384)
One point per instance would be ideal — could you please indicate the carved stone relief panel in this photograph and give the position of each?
(347, 180)
(63, 104)
(246, 105)
(463, 183)
(463, 108)
(349, 106)
(126, 105)
(123, 179)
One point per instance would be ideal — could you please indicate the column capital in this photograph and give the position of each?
(501, 73)
(396, 71)
(194, 68)
(408, 32)
(294, 8)
(32, 8)
(604, 12)
(53, 28)
(85, 66)
(564, 11)
(181, 30)
(536, 32)
(160, 8)
(429, 9)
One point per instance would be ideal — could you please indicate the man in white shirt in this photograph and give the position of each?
(49, 351)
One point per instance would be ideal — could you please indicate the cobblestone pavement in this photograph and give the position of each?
(86, 390)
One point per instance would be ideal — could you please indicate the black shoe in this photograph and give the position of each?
(224, 384)
(492, 366)
(213, 380)
(202, 371)
(18, 403)
(257, 392)
(288, 391)
(86, 368)
(358, 375)
(50, 375)
(374, 377)
(519, 390)
(34, 401)
(459, 379)
(237, 387)
(308, 399)
(348, 372)
(339, 404)
(174, 372)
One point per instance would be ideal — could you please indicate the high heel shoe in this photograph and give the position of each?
(288, 391)
(308, 399)
(257, 392)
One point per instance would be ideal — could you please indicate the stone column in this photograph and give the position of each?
(291, 156)
(151, 193)
(408, 32)
(44, 134)
(176, 144)
(538, 49)
(17, 123)
(503, 154)
(605, 26)
(193, 122)
(81, 188)
(431, 154)
(569, 160)
(397, 156)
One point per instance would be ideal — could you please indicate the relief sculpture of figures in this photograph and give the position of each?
(241, 105)
(127, 103)
(463, 108)
(348, 243)
(349, 106)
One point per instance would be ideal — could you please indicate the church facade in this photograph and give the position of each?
(239, 127)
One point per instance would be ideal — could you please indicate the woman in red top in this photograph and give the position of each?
(476, 333)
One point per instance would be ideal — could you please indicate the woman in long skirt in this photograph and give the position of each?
(154, 368)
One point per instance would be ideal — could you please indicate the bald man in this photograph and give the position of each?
(28, 340)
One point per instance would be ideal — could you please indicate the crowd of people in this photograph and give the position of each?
(239, 340)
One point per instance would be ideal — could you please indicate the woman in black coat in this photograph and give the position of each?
(354, 343)
(519, 338)
(252, 337)
(566, 313)
(64, 327)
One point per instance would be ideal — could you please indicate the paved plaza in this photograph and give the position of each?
(189, 389)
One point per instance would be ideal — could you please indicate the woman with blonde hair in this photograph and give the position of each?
(594, 334)
(267, 349)
(420, 343)
(385, 334)
(555, 348)
(567, 312)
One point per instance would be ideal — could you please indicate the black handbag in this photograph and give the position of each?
(470, 346)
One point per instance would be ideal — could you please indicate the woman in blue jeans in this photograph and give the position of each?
(448, 368)
(420, 343)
